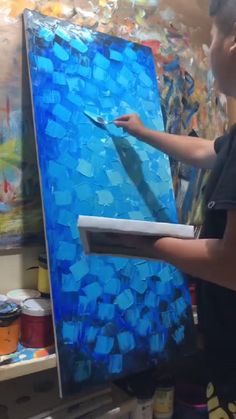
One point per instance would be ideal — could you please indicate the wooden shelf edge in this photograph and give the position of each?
(19, 369)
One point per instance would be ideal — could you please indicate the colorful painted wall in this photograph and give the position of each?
(189, 100)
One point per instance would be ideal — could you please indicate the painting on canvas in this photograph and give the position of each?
(113, 316)
(20, 204)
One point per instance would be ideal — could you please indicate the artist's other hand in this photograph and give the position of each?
(130, 123)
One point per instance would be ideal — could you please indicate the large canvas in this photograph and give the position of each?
(113, 317)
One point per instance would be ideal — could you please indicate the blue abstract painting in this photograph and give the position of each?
(113, 316)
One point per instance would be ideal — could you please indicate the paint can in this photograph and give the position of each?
(163, 405)
(144, 409)
(36, 323)
(43, 278)
(18, 296)
(9, 327)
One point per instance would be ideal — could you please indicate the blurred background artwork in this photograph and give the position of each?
(190, 100)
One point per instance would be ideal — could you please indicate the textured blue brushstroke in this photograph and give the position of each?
(113, 316)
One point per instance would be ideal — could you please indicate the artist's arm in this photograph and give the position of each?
(209, 259)
(197, 152)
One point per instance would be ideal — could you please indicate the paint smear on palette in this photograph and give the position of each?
(113, 316)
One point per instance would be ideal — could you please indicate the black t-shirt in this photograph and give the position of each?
(217, 305)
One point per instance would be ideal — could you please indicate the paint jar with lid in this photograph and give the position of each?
(9, 327)
(43, 277)
(163, 405)
(19, 295)
(36, 323)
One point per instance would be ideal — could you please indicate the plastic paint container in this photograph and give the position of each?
(19, 295)
(3, 298)
(43, 278)
(9, 327)
(36, 323)
(191, 401)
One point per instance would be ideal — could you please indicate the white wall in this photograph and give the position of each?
(14, 271)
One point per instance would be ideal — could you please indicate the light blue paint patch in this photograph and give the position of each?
(166, 319)
(150, 299)
(180, 306)
(85, 71)
(106, 311)
(144, 327)
(99, 74)
(68, 161)
(75, 99)
(66, 251)
(145, 79)
(82, 371)
(116, 55)
(132, 316)
(60, 52)
(74, 230)
(101, 61)
(114, 177)
(61, 112)
(136, 215)
(46, 34)
(73, 84)
(62, 198)
(70, 332)
(85, 168)
(138, 285)
(91, 90)
(55, 130)
(83, 303)
(56, 170)
(163, 288)
(59, 78)
(165, 274)
(144, 270)
(143, 155)
(107, 103)
(104, 345)
(79, 45)
(84, 191)
(125, 300)
(65, 217)
(112, 286)
(105, 197)
(44, 64)
(178, 335)
(79, 269)
(130, 53)
(68, 283)
(51, 96)
(115, 363)
(93, 291)
(63, 34)
(126, 342)
(157, 343)
(91, 334)
(137, 68)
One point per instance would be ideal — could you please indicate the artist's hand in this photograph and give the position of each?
(130, 123)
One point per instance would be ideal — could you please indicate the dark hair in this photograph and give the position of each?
(215, 6)
(224, 11)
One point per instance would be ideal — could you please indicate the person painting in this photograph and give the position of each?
(212, 257)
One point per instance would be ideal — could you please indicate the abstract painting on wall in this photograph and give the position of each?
(20, 204)
(113, 316)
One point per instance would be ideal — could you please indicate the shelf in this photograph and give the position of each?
(19, 369)
(26, 361)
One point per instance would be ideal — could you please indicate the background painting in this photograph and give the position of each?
(113, 316)
(20, 206)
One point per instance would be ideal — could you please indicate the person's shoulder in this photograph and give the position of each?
(226, 140)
